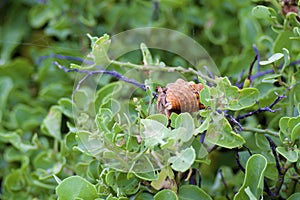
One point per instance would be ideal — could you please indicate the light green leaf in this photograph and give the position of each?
(205, 96)
(254, 177)
(100, 50)
(220, 132)
(250, 194)
(246, 98)
(14, 138)
(6, 86)
(106, 92)
(75, 187)
(15, 27)
(283, 41)
(52, 123)
(185, 121)
(183, 160)
(283, 124)
(271, 78)
(160, 118)
(149, 176)
(161, 181)
(275, 57)
(295, 196)
(203, 127)
(261, 12)
(190, 192)
(147, 58)
(295, 133)
(290, 154)
(154, 133)
(165, 195)
(287, 59)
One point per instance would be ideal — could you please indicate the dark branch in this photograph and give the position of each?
(264, 109)
(271, 71)
(273, 148)
(202, 137)
(257, 56)
(251, 68)
(58, 56)
(248, 150)
(234, 121)
(224, 183)
(237, 159)
(238, 82)
(100, 71)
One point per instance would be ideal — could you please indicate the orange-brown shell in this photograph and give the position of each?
(178, 97)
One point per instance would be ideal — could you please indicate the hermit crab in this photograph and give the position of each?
(178, 97)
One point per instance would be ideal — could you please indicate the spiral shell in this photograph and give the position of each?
(178, 97)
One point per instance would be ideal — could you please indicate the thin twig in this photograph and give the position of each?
(248, 150)
(251, 68)
(100, 71)
(237, 159)
(234, 121)
(225, 184)
(262, 131)
(264, 109)
(65, 57)
(257, 56)
(238, 82)
(202, 137)
(164, 69)
(271, 71)
(273, 149)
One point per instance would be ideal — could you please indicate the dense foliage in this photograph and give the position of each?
(102, 138)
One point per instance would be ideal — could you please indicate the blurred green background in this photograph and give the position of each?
(32, 30)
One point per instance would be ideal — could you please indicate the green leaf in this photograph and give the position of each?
(144, 196)
(127, 185)
(15, 27)
(275, 57)
(162, 180)
(100, 51)
(165, 195)
(261, 12)
(147, 58)
(183, 160)
(15, 139)
(189, 192)
(294, 196)
(290, 154)
(205, 96)
(254, 177)
(295, 133)
(185, 121)
(76, 187)
(271, 78)
(283, 124)
(149, 176)
(6, 86)
(247, 97)
(283, 41)
(39, 15)
(250, 194)
(106, 92)
(159, 118)
(154, 133)
(203, 127)
(230, 97)
(220, 132)
(52, 123)
(66, 107)
(287, 59)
